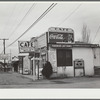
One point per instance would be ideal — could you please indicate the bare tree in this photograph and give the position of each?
(85, 34)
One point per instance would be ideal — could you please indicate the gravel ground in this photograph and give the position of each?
(15, 80)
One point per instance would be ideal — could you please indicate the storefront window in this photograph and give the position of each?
(64, 57)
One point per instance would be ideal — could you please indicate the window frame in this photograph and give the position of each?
(63, 62)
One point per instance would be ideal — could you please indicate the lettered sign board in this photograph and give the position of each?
(60, 35)
(25, 46)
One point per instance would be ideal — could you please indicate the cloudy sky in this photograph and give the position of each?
(17, 17)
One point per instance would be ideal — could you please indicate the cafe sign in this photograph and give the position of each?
(25, 46)
(60, 36)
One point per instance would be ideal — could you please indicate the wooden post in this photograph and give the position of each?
(34, 75)
(38, 68)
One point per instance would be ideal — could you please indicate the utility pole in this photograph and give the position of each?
(10, 60)
(10, 55)
(4, 48)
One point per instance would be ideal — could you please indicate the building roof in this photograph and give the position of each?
(78, 43)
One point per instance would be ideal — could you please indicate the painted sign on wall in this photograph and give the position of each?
(60, 37)
(25, 46)
(60, 45)
(52, 59)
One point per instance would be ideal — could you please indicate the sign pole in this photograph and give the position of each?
(38, 68)
(4, 51)
(34, 75)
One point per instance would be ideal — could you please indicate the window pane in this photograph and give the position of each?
(68, 57)
(64, 57)
(60, 58)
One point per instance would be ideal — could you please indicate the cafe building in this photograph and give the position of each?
(67, 57)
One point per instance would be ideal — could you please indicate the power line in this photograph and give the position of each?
(98, 41)
(96, 34)
(22, 18)
(17, 17)
(48, 9)
(33, 5)
(10, 15)
(70, 14)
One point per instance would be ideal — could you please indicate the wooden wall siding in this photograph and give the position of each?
(42, 41)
